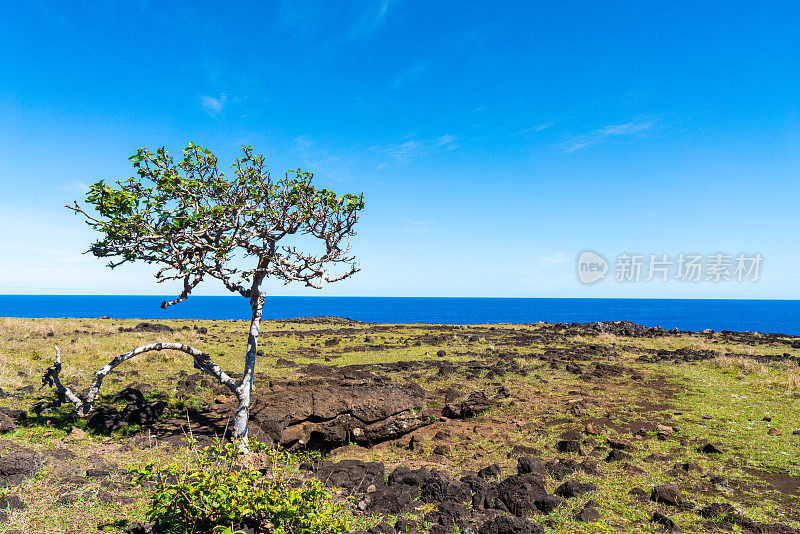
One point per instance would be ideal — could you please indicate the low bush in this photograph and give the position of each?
(217, 490)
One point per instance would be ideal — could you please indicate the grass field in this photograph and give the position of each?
(742, 395)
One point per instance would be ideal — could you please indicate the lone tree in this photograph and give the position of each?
(194, 223)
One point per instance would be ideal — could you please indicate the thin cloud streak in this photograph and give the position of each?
(413, 148)
(607, 133)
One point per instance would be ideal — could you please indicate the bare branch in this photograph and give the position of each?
(84, 405)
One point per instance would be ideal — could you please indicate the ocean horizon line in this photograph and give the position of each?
(170, 295)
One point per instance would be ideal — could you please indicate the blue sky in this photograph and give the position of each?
(493, 143)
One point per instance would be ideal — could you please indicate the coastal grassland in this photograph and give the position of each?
(722, 397)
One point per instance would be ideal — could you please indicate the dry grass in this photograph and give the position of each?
(745, 365)
(775, 376)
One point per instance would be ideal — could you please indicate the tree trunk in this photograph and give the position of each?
(245, 389)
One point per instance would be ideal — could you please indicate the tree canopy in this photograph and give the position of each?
(192, 220)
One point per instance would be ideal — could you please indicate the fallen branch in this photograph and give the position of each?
(85, 404)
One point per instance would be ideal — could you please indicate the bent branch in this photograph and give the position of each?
(84, 405)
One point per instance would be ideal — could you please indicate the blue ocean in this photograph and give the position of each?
(775, 316)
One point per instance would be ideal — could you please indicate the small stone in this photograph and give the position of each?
(573, 488)
(75, 434)
(588, 515)
(667, 494)
(97, 473)
(620, 444)
(666, 522)
(548, 503)
(774, 432)
(796, 432)
(441, 450)
(12, 502)
(569, 445)
(710, 448)
(617, 455)
(767, 418)
(69, 498)
(592, 429)
(6, 423)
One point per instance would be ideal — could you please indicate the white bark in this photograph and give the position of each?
(84, 406)
(245, 389)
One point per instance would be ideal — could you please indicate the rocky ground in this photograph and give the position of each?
(424, 428)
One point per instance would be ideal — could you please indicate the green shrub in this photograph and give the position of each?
(215, 491)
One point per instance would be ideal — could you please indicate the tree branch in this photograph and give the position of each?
(84, 405)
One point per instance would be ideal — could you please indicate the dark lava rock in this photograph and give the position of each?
(353, 475)
(332, 342)
(409, 477)
(109, 498)
(620, 444)
(569, 445)
(16, 414)
(617, 455)
(588, 515)
(334, 412)
(560, 468)
(626, 328)
(17, 463)
(476, 403)
(407, 525)
(573, 488)
(519, 493)
(144, 414)
(548, 503)
(441, 353)
(668, 494)
(710, 448)
(668, 524)
(727, 513)
(106, 419)
(490, 471)
(439, 488)
(397, 499)
(6, 423)
(531, 464)
(129, 394)
(639, 494)
(149, 327)
(504, 524)
(441, 450)
(69, 498)
(12, 502)
(449, 514)
(481, 490)
(97, 473)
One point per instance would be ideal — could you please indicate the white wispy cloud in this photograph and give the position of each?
(607, 133)
(413, 148)
(550, 260)
(213, 105)
(317, 158)
(538, 128)
(375, 13)
(410, 75)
